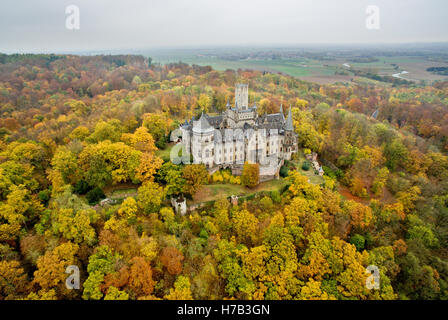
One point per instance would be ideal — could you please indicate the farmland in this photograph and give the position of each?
(312, 65)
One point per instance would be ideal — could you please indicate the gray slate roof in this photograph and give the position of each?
(289, 126)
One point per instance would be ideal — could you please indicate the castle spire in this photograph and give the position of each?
(289, 126)
(228, 105)
(202, 125)
(281, 112)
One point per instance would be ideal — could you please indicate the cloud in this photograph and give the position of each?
(39, 26)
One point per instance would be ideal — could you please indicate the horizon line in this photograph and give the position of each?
(322, 45)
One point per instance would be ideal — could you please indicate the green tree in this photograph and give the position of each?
(358, 241)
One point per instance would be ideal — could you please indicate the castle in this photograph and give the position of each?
(240, 135)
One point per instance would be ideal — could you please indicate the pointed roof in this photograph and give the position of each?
(203, 121)
(281, 112)
(202, 125)
(228, 105)
(289, 126)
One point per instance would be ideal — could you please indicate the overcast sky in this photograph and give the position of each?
(40, 25)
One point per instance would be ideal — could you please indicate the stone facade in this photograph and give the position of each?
(179, 205)
(240, 135)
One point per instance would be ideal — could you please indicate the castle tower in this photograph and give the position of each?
(290, 142)
(289, 126)
(242, 96)
(202, 142)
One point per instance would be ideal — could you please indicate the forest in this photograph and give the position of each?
(73, 128)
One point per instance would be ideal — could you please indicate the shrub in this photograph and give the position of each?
(203, 234)
(161, 143)
(266, 203)
(358, 241)
(95, 195)
(329, 172)
(81, 187)
(44, 196)
(275, 196)
(284, 171)
(225, 176)
(306, 165)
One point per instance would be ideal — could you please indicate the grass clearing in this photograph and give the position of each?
(216, 191)
(121, 191)
(165, 153)
(313, 177)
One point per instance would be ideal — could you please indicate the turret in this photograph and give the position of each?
(289, 126)
(281, 112)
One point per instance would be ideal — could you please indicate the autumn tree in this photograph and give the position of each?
(195, 175)
(181, 290)
(101, 263)
(245, 225)
(110, 130)
(140, 277)
(51, 267)
(19, 208)
(172, 259)
(204, 102)
(150, 197)
(250, 175)
(13, 280)
(158, 125)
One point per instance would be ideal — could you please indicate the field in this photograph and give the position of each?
(314, 66)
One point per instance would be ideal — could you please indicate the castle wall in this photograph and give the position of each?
(233, 150)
